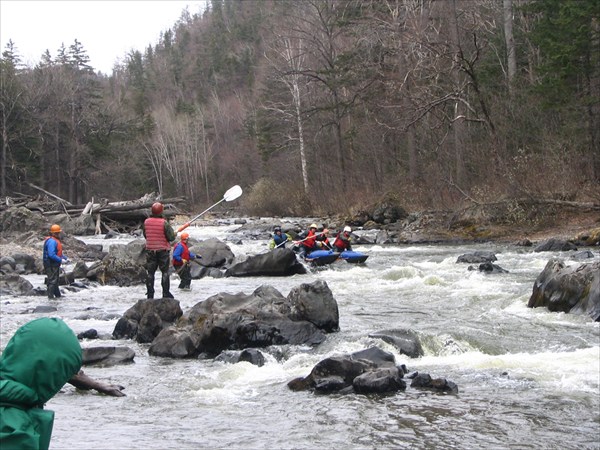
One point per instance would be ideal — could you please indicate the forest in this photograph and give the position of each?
(319, 107)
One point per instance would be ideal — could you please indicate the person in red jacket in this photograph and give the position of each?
(159, 234)
(308, 241)
(342, 240)
(181, 261)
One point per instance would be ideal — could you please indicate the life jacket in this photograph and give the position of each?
(341, 241)
(154, 230)
(46, 256)
(310, 241)
(184, 255)
(279, 238)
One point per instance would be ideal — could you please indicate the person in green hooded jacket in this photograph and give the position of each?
(38, 360)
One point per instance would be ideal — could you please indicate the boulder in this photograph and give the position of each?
(13, 284)
(555, 245)
(406, 342)
(388, 211)
(251, 355)
(314, 303)
(239, 321)
(107, 356)
(569, 289)
(368, 371)
(26, 261)
(214, 252)
(477, 257)
(124, 265)
(17, 219)
(147, 318)
(277, 262)
(425, 381)
(488, 267)
(81, 225)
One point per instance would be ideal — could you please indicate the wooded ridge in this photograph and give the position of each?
(317, 107)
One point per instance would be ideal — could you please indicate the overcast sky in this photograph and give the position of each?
(107, 29)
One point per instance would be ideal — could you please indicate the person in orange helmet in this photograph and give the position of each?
(159, 234)
(181, 261)
(53, 258)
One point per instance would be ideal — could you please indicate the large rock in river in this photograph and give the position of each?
(368, 371)
(264, 318)
(574, 289)
(123, 266)
(147, 318)
(277, 262)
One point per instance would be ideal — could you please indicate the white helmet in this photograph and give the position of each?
(348, 229)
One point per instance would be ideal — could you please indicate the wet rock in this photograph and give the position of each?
(251, 355)
(488, 267)
(277, 262)
(239, 321)
(406, 342)
(14, 284)
(372, 369)
(424, 381)
(147, 318)
(107, 356)
(570, 289)
(214, 252)
(88, 334)
(555, 245)
(477, 257)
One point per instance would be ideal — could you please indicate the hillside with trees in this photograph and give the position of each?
(321, 106)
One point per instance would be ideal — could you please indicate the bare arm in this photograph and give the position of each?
(82, 381)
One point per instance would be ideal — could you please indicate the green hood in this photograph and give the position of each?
(38, 360)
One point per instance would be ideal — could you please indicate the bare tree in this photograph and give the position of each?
(286, 57)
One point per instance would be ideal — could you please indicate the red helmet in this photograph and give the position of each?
(185, 236)
(55, 229)
(157, 208)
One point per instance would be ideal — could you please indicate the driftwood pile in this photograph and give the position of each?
(108, 215)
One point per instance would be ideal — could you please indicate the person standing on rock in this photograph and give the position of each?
(159, 235)
(181, 262)
(53, 258)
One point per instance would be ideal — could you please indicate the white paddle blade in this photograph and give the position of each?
(232, 193)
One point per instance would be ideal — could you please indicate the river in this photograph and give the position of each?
(527, 378)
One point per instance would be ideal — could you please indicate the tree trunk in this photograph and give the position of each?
(458, 122)
(511, 56)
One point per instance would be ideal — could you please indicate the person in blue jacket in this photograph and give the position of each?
(53, 258)
(279, 238)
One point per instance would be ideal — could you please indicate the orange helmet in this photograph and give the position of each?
(157, 208)
(184, 236)
(55, 229)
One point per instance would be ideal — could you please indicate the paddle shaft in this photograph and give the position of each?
(231, 194)
(185, 225)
